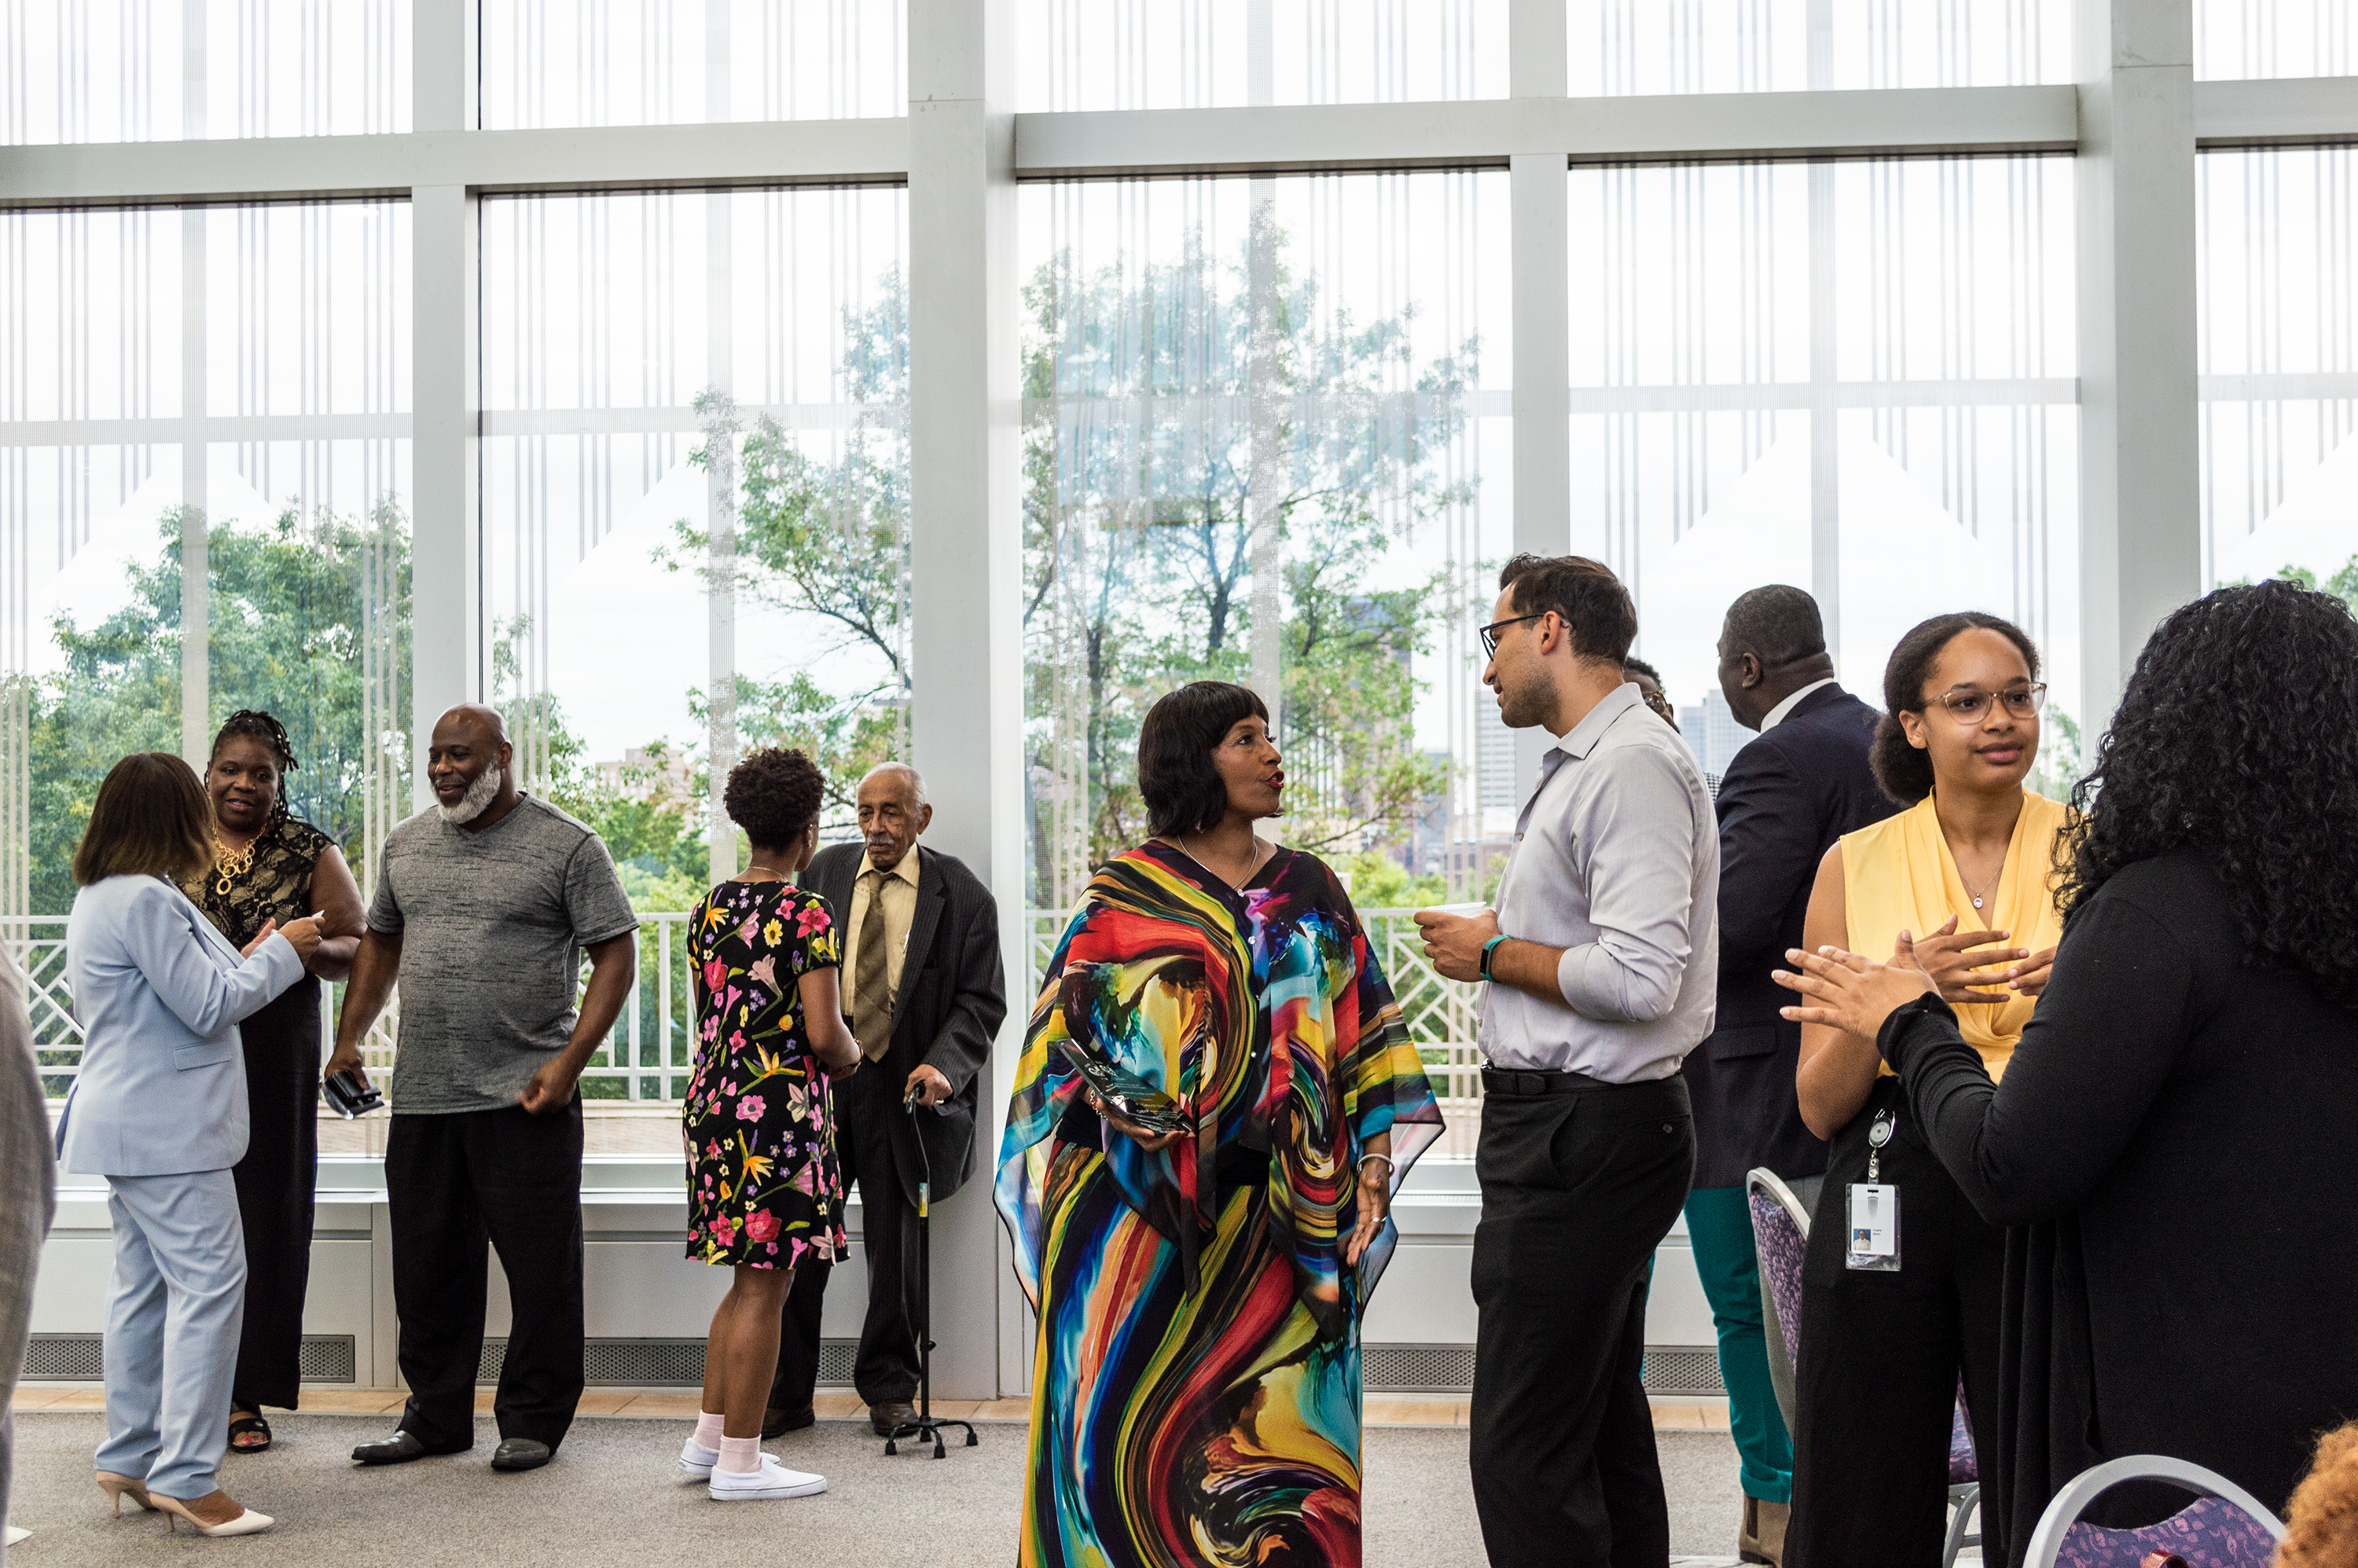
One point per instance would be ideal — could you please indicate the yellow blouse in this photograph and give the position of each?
(1899, 873)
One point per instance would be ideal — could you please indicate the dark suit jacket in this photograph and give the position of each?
(1784, 800)
(953, 995)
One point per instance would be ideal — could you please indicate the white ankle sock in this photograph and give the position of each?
(708, 1430)
(739, 1455)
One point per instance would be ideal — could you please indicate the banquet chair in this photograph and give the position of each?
(2224, 1527)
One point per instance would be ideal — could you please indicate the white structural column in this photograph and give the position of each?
(720, 478)
(1826, 417)
(2140, 540)
(446, 633)
(1539, 203)
(965, 533)
(1262, 400)
(196, 570)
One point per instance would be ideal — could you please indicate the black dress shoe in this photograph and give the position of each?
(889, 1416)
(520, 1454)
(399, 1449)
(777, 1423)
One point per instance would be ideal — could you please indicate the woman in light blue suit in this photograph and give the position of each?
(159, 1109)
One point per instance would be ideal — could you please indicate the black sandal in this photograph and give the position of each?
(239, 1425)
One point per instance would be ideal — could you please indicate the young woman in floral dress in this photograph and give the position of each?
(764, 1190)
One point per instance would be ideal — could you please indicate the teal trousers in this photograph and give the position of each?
(1719, 1227)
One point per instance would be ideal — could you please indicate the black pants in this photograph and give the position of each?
(456, 1181)
(886, 1366)
(1881, 1355)
(1577, 1190)
(275, 1184)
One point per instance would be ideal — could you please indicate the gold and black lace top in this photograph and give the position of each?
(277, 886)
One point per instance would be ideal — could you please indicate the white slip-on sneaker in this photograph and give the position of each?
(771, 1480)
(695, 1461)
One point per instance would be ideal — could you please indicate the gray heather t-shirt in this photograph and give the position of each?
(492, 924)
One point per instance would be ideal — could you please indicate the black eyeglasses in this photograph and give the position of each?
(1490, 633)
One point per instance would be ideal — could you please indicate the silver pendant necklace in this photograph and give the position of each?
(1986, 886)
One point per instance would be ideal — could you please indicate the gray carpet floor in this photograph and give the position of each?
(610, 1498)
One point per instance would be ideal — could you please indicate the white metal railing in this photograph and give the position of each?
(648, 1055)
(646, 1058)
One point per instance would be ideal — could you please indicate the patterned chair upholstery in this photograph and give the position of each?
(2224, 1527)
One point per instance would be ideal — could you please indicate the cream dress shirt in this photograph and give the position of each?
(900, 895)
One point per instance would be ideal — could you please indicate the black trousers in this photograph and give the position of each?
(886, 1366)
(1577, 1191)
(1881, 1356)
(456, 1181)
(275, 1184)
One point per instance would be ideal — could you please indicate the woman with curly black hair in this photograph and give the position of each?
(2172, 1144)
(764, 1191)
(269, 866)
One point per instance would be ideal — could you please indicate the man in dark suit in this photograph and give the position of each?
(924, 987)
(1784, 800)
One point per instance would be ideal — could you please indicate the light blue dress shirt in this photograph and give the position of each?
(159, 993)
(1616, 860)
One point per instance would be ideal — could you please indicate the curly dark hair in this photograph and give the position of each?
(2238, 737)
(1182, 788)
(774, 794)
(255, 724)
(1905, 773)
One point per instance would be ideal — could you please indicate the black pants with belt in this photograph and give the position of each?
(1876, 1388)
(1579, 1186)
(866, 1104)
(457, 1181)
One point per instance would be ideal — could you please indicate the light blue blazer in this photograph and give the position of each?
(159, 992)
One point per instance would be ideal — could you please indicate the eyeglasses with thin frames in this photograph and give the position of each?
(1968, 706)
(1490, 633)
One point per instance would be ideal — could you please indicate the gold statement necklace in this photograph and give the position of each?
(230, 864)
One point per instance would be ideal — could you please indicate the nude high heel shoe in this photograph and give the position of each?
(118, 1487)
(247, 1522)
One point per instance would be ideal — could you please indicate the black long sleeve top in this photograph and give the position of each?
(2174, 1147)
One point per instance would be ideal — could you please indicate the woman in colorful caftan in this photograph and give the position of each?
(1195, 1390)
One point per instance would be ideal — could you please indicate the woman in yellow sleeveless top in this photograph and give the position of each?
(1962, 880)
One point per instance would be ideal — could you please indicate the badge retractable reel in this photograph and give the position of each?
(1875, 1208)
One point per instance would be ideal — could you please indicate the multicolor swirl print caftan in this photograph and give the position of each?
(1196, 1391)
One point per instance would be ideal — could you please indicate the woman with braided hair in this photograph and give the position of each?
(268, 868)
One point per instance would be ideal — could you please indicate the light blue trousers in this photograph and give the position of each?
(173, 1312)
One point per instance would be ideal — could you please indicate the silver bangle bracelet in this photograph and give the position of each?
(1387, 1159)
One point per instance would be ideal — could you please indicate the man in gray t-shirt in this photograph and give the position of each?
(484, 907)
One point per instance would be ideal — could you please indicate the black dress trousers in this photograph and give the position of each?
(886, 1366)
(1875, 1390)
(276, 1182)
(456, 1181)
(1578, 1188)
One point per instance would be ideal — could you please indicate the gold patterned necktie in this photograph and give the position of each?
(871, 996)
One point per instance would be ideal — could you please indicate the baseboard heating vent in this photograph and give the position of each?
(82, 1359)
(1417, 1369)
(662, 1363)
(1449, 1369)
(1682, 1369)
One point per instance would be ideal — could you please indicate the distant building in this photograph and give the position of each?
(642, 776)
(1497, 760)
(1712, 734)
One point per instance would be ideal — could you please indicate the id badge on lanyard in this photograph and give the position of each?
(1874, 1209)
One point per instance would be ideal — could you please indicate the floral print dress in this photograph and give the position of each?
(763, 1187)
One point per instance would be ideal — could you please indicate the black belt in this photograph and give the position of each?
(1525, 1081)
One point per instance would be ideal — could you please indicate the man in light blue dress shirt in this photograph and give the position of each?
(1602, 955)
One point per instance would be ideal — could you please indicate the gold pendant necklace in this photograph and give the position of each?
(230, 863)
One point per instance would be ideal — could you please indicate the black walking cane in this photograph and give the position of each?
(925, 1428)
